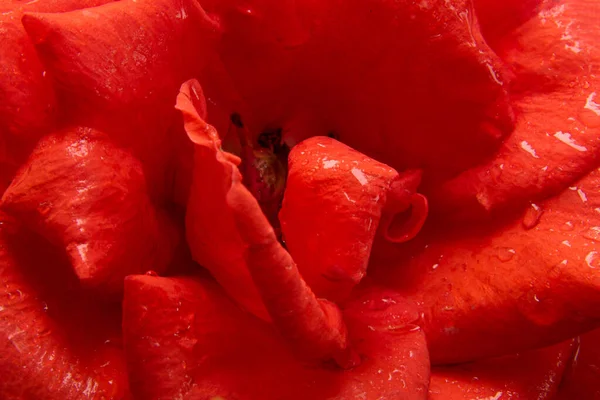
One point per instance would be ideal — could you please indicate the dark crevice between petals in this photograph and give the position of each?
(264, 167)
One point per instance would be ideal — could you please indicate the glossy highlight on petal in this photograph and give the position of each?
(210, 227)
(556, 62)
(196, 343)
(125, 59)
(53, 338)
(500, 287)
(334, 201)
(88, 196)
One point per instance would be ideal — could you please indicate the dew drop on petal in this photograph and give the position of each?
(592, 234)
(151, 273)
(592, 259)
(532, 216)
(496, 171)
(505, 254)
(567, 226)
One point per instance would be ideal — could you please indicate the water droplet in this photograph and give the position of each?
(378, 304)
(151, 273)
(336, 273)
(593, 259)
(505, 254)
(15, 295)
(496, 171)
(540, 310)
(532, 216)
(567, 226)
(593, 234)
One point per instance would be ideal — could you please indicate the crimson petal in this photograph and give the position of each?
(210, 228)
(54, 342)
(334, 201)
(582, 379)
(412, 84)
(556, 61)
(532, 375)
(81, 191)
(125, 59)
(506, 286)
(185, 339)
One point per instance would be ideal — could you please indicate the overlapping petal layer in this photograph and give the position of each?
(555, 58)
(415, 86)
(55, 341)
(184, 338)
(88, 196)
(411, 84)
(210, 228)
(125, 59)
(582, 379)
(520, 282)
(531, 375)
(334, 201)
(28, 105)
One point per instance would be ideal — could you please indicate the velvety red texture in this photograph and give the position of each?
(56, 342)
(185, 338)
(582, 379)
(305, 66)
(89, 197)
(334, 201)
(556, 63)
(125, 59)
(28, 105)
(519, 282)
(534, 374)
(210, 228)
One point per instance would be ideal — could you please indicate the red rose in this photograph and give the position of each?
(380, 199)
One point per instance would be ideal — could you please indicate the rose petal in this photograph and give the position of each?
(350, 66)
(506, 286)
(84, 193)
(125, 59)
(195, 343)
(53, 341)
(210, 229)
(557, 137)
(27, 102)
(334, 200)
(27, 99)
(531, 375)
(50, 6)
(582, 380)
(313, 327)
(499, 19)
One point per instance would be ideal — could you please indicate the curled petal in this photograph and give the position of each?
(87, 195)
(400, 230)
(196, 343)
(210, 228)
(28, 104)
(314, 327)
(334, 201)
(523, 281)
